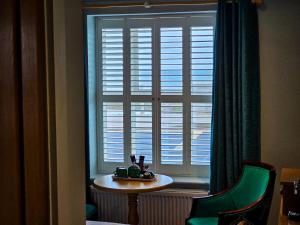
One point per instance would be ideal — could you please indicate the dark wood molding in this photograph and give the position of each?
(51, 110)
(34, 98)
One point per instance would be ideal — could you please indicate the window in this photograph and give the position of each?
(152, 92)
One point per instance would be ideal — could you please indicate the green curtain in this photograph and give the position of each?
(236, 92)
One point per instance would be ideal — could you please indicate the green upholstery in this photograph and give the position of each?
(203, 221)
(209, 207)
(251, 188)
(90, 211)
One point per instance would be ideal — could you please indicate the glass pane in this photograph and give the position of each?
(112, 61)
(141, 130)
(201, 60)
(200, 133)
(171, 61)
(141, 61)
(171, 133)
(113, 132)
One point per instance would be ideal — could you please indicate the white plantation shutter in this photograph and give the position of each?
(113, 132)
(141, 130)
(201, 42)
(112, 61)
(171, 133)
(201, 60)
(200, 133)
(171, 60)
(154, 93)
(141, 61)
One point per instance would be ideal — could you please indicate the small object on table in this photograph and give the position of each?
(121, 172)
(141, 164)
(132, 158)
(134, 171)
(148, 175)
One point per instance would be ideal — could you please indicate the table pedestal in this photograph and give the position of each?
(133, 216)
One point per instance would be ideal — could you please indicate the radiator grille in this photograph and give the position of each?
(167, 207)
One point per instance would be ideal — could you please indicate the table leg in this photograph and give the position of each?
(133, 217)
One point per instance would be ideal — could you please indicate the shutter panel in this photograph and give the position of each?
(141, 61)
(155, 60)
(141, 130)
(171, 133)
(171, 61)
(201, 60)
(200, 133)
(113, 132)
(112, 61)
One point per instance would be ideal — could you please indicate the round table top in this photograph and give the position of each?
(106, 183)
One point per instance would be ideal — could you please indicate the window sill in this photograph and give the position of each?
(184, 182)
(190, 182)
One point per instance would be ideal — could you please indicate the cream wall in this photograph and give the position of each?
(69, 97)
(279, 24)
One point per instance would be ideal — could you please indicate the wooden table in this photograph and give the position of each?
(132, 188)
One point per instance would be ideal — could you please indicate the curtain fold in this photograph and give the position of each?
(236, 92)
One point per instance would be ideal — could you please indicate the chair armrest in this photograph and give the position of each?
(210, 206)
(254, 213)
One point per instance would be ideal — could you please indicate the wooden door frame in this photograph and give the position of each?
(38, 107)
(11, 157)
(27, 114)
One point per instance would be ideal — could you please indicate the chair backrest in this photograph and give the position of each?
(251, 186)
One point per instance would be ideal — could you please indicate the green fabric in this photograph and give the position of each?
(90, 211)
(203, 221)
(251, 186)
(210, 207)
(236, 99)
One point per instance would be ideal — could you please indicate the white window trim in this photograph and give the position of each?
(188, 170)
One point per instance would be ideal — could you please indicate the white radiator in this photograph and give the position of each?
(167, 207)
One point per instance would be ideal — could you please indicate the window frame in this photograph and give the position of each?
(188, 170)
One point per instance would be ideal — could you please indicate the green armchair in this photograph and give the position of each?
(248, 200)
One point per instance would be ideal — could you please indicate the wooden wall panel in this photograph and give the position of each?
(11, 185)
(34, 94)
(24, 162)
